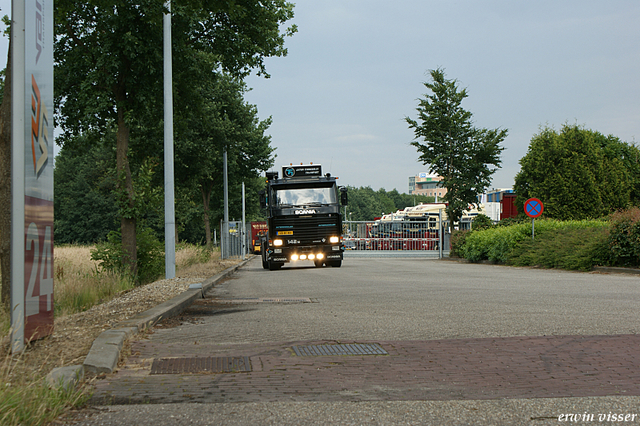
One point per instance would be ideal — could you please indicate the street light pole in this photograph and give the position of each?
(169, 198)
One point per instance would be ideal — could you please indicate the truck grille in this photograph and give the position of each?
(307, 229)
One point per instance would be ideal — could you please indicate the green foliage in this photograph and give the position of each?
(150, 251)
(94, 288)
(480, 222)
(568, 248)
(578, 173)
(458, 239)
(150, 256)
(231, 124)
(521, 218)
(34, 403)
(367, 204)
(83, 184)
(108, 65)
(624, 239)
(497, 244)
(466, 157)
(88, 202)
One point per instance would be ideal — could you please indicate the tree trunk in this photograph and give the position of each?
(125, 188)
(206, 198)
(5, 188)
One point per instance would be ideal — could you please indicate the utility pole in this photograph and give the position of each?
(169, 197)
(225, 223)
(244, 226)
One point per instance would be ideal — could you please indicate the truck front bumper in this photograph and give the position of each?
(286, 254)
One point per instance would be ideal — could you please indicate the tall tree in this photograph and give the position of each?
(465, 156)
(231, 124)
(108, 57)
(5, 186)
(84, 183)
(578, 173)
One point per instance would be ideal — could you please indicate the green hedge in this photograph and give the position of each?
(624, 241)
(569, 248)
(498, 243)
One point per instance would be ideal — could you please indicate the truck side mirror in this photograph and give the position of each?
(344, 199)
(263, 199)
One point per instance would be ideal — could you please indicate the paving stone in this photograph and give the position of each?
(452, 369)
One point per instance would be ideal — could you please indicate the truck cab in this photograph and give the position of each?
(303, 217)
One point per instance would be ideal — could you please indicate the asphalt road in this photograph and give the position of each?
(399, 303)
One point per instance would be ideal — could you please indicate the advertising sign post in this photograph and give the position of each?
(32, 172)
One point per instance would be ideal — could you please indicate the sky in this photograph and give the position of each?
(357, 68)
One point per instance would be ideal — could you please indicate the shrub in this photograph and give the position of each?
(521, 218)
(457, 242)
(568, 248)
(150, 253)
(497, 243)
(493, 243)
(624, 238)
(482, 221)
(150, 256)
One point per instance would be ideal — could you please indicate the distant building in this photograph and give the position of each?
(498, 203)
(426, 184)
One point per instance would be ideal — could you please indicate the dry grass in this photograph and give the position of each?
(79, 284)
(24, 398)
(192, 261)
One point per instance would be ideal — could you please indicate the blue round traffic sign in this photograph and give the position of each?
(533, 207)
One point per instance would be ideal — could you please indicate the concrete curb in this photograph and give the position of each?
(65, 377)
(104, 354)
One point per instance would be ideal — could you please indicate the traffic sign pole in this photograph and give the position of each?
(533, 208)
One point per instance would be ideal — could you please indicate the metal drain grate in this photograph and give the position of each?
(342, 349)
(201, 365)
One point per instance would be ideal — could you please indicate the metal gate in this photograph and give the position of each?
(396, 238)
(231, 242)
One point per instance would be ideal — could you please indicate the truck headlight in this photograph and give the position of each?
(334, 239)
(277, 243)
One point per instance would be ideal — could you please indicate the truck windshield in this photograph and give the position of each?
(305, 197)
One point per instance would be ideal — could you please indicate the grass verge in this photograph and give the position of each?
(79, 284)
(25, 397)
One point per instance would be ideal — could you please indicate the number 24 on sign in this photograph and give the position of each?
(40, 276)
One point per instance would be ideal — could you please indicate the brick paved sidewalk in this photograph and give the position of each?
(455, 369)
